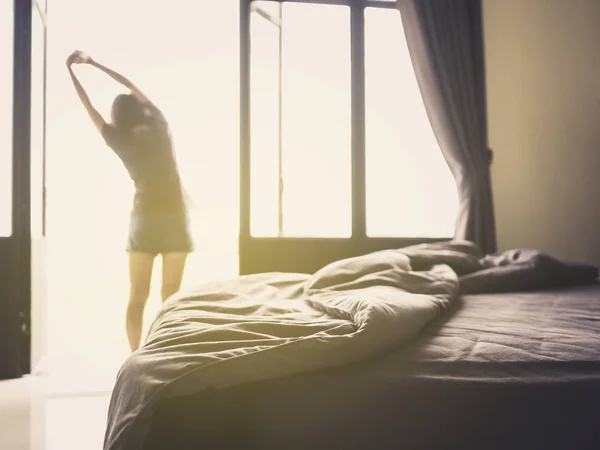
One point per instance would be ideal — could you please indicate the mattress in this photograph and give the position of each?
(517, 370)
(529, 337)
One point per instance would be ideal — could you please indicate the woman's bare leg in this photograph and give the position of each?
(140, 275)
(173, 267)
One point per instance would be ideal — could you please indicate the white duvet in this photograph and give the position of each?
(266, 326)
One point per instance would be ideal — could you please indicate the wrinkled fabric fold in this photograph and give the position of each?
(267, 326)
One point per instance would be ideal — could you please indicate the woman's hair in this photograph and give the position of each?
(127, 112)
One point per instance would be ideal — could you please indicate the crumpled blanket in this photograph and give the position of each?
(266, 326)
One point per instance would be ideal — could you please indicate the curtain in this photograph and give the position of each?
(445, 41)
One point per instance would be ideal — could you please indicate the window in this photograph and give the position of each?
(410, 191)
(6, 116)
(322, 77)
(300, 148)
(265, 114)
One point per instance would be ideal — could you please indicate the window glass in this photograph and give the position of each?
(264, 117)
(410, 191)
(316, 117)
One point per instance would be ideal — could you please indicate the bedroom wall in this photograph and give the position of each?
(543, 81)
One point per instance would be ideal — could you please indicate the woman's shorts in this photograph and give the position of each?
(159, 232)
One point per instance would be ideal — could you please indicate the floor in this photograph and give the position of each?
(35, 416)
(63, 405)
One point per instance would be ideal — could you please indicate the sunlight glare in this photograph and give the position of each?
(187, 63)
(410, 189)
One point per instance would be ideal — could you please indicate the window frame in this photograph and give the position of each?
(16, 249)
(299, 254)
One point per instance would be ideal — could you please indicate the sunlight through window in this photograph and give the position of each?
(410, 191)
(316, 108)
(301, 185)
(265, 119)
(188, 64)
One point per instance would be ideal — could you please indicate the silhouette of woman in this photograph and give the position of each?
(140, 136)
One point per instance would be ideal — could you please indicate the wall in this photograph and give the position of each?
(543, 76)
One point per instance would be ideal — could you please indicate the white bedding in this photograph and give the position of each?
(267, 326)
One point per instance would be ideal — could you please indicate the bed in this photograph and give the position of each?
(517, 369)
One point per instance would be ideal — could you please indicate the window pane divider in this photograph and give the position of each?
(357, 67)
(280, 186)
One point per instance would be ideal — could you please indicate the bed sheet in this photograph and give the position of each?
(518, 370)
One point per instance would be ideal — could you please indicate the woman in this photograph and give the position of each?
(140, 136)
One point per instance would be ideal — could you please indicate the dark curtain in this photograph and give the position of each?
(445, 40)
